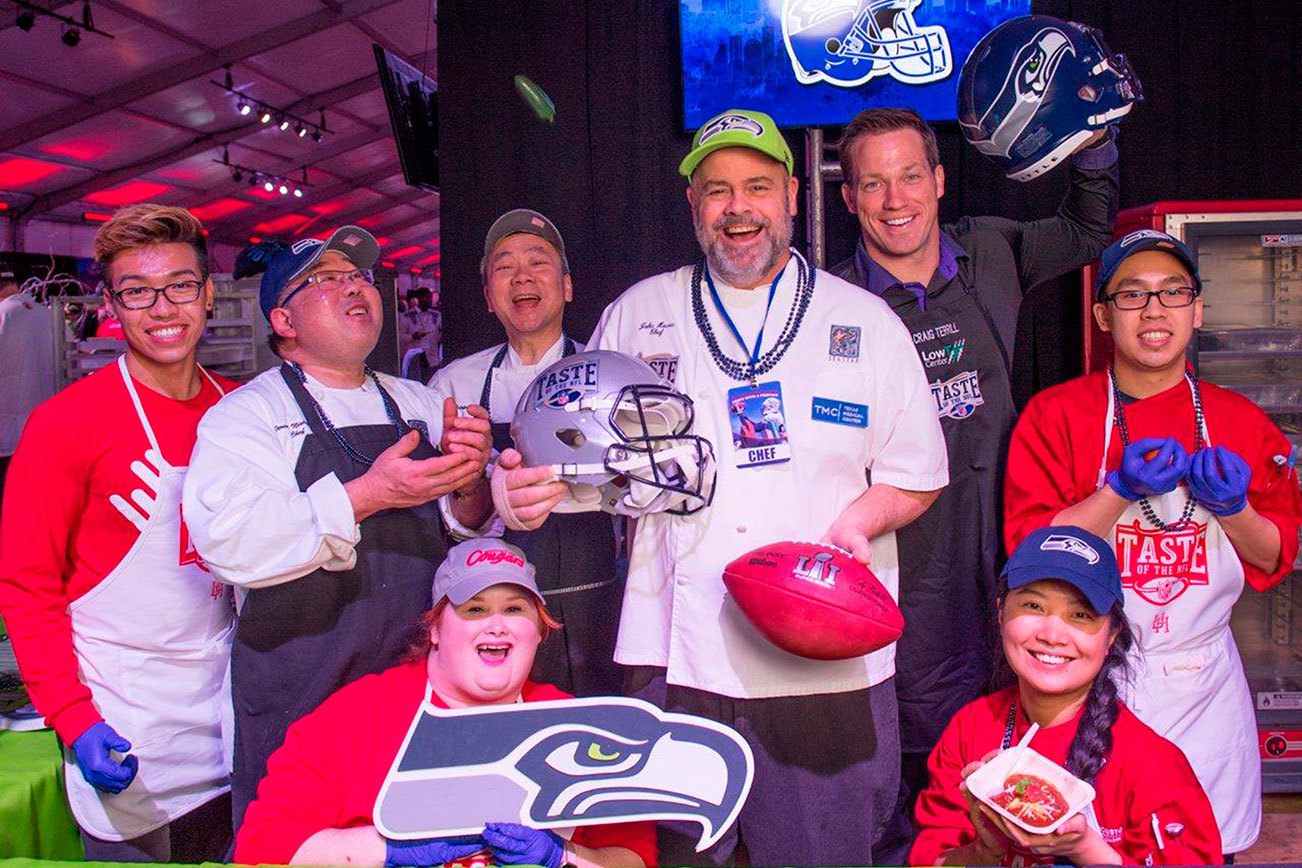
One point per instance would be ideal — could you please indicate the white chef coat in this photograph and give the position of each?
(26, 364)
(676, 612)
(463, 379)
(243, 506)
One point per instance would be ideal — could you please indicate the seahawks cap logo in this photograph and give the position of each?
(723, 123)
(1061, 542)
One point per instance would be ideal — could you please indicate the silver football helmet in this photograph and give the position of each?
(617, 434)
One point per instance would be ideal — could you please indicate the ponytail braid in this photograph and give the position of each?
(1093, 742)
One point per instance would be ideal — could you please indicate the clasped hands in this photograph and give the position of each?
(510, 843)
(1218, 477)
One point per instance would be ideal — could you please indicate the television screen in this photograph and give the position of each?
(812, 63)
(413, 101)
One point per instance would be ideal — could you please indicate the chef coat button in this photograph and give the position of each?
(1174, 829)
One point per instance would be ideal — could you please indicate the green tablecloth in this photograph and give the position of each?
(34, 817)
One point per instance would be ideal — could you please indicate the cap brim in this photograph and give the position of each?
(1099, 598)
(356, 243)
(471, 585)
(697, 155)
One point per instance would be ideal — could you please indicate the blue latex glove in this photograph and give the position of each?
(514, 844)
(1137, 477)
(430, 851)
(99, 769)
(1218, 479)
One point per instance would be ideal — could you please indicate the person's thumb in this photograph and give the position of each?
(406, 444)
(510, 459)
(449, 412)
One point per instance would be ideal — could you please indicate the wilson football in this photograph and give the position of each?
(814, 600)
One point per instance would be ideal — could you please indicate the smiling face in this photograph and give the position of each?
(896, 194)
(743, 203)
(1053, 639)
(1152, 340)
(485, 647)
(165, 335)
(526, 286)
(330, 326)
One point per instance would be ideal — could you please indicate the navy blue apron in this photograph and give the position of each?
(300, 641)
(574, 555)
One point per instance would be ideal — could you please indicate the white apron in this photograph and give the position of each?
(153, 644)
(1187, 679)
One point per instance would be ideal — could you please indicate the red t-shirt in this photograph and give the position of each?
(1144, 777)
(329, 771)
(1053, 459)
(60, 532)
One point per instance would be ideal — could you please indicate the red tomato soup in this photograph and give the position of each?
(1031, 799)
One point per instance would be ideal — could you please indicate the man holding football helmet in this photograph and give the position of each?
(754, 333)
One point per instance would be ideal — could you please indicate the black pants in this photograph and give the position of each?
(202, 835)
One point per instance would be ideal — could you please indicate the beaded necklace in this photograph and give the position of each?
(1119, 417)
(390, 410)
(745, 371)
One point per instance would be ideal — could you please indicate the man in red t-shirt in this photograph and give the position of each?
(1193, 486)
(121, 635)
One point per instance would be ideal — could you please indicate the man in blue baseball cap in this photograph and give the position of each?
(323, 492)
(1193, 487)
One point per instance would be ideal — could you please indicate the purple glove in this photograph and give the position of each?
(430, 851)
(1218, 479)
(99, 769)
(1137, 477)
(514, 844)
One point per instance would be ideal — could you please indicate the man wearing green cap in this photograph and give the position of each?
(834, 395)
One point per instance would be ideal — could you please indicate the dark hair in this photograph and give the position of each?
(1092, 743)
(878, 121)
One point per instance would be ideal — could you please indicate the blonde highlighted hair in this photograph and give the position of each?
(147, 224)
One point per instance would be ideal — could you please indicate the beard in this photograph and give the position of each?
(748, 269)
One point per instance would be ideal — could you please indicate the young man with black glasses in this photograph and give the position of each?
(1193, 485)
(121, 634)
(315, 491)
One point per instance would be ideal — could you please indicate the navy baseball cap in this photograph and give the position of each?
(1072, 555)
(476, 564)
(290, 264)
(1133, 242)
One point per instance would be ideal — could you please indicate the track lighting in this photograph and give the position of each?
(26, 19)
(266, 117)
(71, 36)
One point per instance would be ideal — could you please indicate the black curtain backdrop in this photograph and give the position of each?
(1222, 120)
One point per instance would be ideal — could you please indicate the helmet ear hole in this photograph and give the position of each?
(1088, 92)
(571, 437)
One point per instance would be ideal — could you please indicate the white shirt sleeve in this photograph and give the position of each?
(246, 515)
(909, 452)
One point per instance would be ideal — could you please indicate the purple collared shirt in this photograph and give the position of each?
(880, 280)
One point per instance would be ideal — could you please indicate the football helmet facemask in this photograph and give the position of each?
(848, 42)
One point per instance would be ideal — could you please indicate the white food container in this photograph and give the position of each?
(988, 781)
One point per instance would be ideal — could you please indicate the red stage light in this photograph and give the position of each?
(127, 194)
(20, 171)
(220, 208)
(388, 264)
(96, 217)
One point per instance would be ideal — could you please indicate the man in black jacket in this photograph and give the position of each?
(957, 288)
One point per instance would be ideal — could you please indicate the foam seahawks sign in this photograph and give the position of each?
(563, 764)
(565, 385)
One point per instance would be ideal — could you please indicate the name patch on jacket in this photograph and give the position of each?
(840, 412)
(566, 385)
(959, 396)
(1161, 565)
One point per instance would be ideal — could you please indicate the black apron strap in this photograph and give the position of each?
(304, 399)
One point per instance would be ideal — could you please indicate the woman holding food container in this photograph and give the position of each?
(1094, 785)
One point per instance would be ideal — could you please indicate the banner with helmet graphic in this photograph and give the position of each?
(818, 62)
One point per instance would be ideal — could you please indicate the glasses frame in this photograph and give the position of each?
(366, 275)
(164, 290)
(1150, 294)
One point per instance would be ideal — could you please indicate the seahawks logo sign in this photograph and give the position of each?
(563, 764)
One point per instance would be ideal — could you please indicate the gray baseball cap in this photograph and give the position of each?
(530, 223)
(476, 564)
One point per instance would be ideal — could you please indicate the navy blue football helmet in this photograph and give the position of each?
(1034, 88)
(848, 42)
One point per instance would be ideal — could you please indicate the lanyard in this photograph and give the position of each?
(1009, 726)
(723, 312)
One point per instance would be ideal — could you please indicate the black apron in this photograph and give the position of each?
(300, 641)
(950, 557)
(574, 556)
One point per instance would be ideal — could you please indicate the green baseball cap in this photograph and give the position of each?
(737, 128)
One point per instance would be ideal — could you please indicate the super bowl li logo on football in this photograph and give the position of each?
(566, 385)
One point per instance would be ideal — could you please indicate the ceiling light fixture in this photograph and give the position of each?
(269, 187)
(29, 12)
(71, 36)
(266, 112)
(244, 108)
(270, 181)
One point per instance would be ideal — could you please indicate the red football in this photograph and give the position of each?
(814, 600)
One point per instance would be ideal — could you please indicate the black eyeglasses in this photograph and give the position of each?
(144, 297)
(1137, 299)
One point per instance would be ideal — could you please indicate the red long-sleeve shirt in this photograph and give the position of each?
(329, 771)
(1145, 777)
(1053, 459)
(60, 532)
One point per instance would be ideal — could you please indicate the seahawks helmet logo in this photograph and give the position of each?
(562, 764)
(723, 123)
(1022, 93)
(1061, 542)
